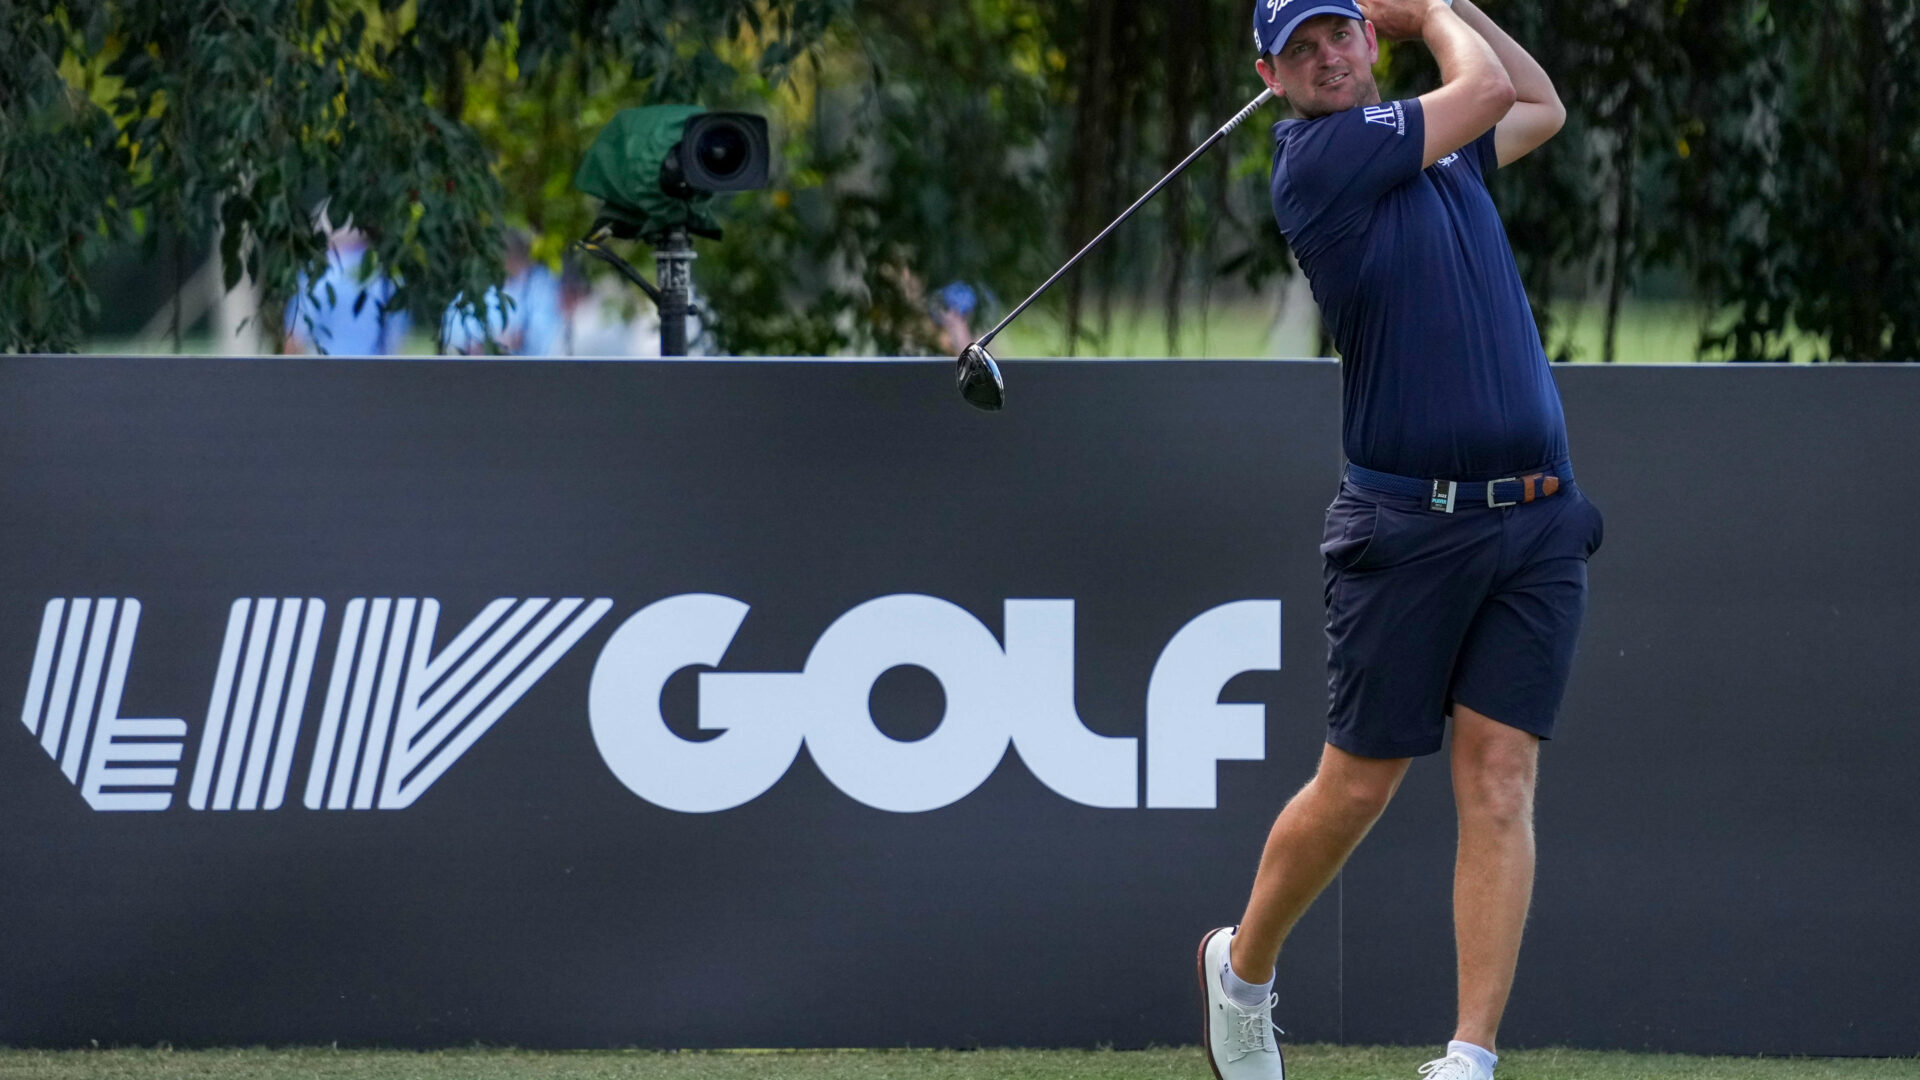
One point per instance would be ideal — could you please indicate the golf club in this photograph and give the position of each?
(978, 375)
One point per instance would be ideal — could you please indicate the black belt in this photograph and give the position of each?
(1445, 495)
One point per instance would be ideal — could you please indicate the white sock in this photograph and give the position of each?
(1480, 1056)
(1240, 990)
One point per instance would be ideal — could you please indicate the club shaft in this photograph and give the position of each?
(1238, 118)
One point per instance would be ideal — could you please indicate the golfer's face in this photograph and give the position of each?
(1327, 66)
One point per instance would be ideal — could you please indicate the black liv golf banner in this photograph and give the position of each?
(666, 704)
(695, 704)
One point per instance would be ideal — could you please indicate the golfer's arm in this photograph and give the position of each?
(1537, 113)
(1474, 89)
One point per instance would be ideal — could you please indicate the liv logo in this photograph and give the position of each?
(427, 708)
(399, 711)
(396, 714)
(1013, 692)
(73, 705)
(262, 714)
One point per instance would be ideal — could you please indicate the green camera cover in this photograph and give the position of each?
(622, 169)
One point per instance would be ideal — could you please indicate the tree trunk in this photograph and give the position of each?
(1128, 58)
(1865, 304)
(1619, 265)
(453, 87)
(236, 311)
(179, 286)
(1214, 62)
(1181, 75)
(1092, 119)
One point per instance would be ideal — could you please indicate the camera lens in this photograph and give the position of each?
(722, 151)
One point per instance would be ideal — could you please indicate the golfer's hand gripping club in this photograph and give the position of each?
(978, 376)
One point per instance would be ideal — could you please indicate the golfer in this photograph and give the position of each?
(1456, 550)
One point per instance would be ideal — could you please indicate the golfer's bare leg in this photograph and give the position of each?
(1309, 843)
(1495, 768)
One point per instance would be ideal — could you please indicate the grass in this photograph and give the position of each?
(1240, 328)
(1650, 332)
(1304, 1062)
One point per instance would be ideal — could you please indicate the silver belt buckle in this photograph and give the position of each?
(1444, 492)
(1491, 505)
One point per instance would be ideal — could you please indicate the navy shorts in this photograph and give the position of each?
(1425, 609)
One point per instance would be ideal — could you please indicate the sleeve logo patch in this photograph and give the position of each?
(1392, 114)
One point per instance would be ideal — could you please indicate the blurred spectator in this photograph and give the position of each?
(952, 310)
(532, 323)
(345, 314)
(610, 318)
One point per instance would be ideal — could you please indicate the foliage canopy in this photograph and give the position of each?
(1765, 156)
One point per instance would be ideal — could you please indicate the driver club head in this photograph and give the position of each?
(979, 379)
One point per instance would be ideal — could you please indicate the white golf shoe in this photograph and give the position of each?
(1454, 1067)
(1239, 1038)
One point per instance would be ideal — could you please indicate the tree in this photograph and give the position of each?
(246, 116)
(63, 180)
(915, 154)
(1800, 196)
(1767, 155)
(987, 141)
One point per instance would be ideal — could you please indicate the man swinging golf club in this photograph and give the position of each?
(1456, 550)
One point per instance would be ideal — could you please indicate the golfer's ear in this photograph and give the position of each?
(1267, 76)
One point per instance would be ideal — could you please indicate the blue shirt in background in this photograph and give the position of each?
(327, 319)
(1442, 374)
(535, 327)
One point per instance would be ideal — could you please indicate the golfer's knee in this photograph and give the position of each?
(1361, 791)
(1495, 797)
(1494, 771)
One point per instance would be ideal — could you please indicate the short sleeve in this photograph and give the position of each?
(1347, 160)
(1487, 152)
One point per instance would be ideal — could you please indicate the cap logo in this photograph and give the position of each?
(1273, 15)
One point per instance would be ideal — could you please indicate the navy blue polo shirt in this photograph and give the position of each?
(1442, 373)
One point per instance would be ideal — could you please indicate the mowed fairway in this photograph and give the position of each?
(1304, 1063)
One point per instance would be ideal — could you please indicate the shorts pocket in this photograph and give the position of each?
(1349, 533)
(1599, 533)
